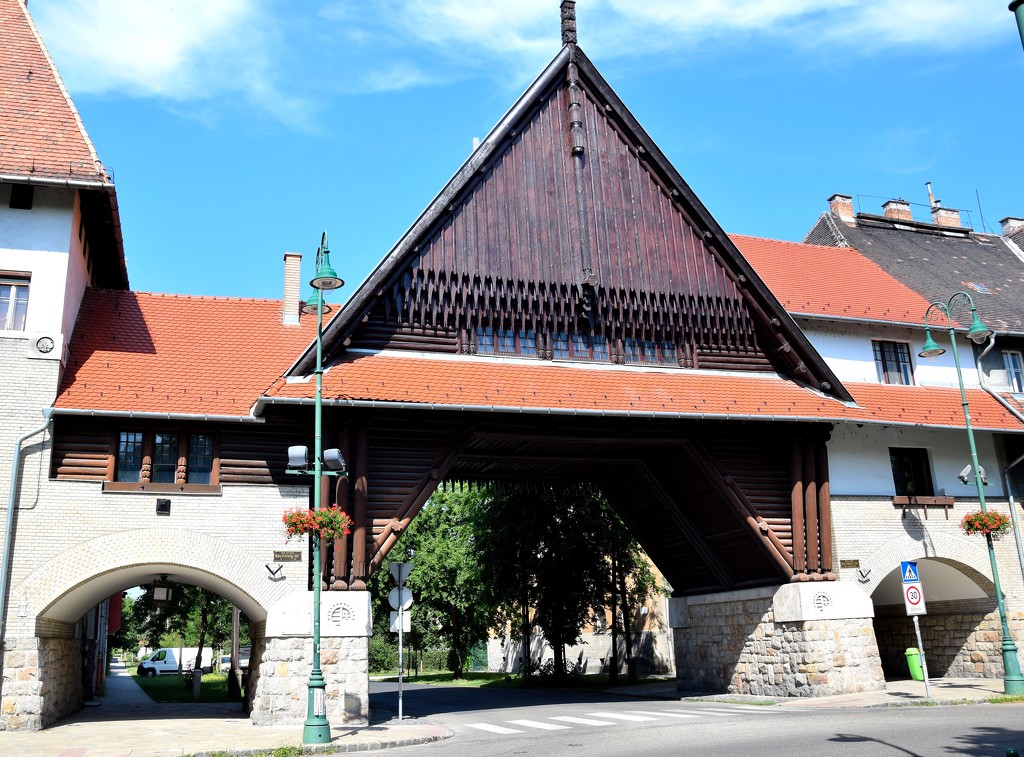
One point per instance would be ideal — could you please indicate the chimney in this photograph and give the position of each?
(292, 283)
(1012, 226)
(842, 206)
(946, 216)
(897, 210)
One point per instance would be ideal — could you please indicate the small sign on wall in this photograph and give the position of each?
(287, 556)
(849, 563)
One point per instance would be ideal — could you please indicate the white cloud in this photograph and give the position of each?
(177, 50)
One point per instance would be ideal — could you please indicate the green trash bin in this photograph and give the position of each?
(914, 663)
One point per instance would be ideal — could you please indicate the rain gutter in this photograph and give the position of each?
(158, 416)
(6, 178)
(5, 568)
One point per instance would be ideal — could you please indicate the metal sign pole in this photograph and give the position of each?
(400, 623)
(924, 664)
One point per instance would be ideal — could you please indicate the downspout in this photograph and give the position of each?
(9, 528)
(1006, 471)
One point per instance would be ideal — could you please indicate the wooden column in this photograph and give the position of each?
(797, 508)
(341, 497)
(810, 509)
(359, 524)
(824, 509)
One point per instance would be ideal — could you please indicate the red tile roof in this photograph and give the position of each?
(157, 353)
(41, 135)
(560, 388)
(830, 281)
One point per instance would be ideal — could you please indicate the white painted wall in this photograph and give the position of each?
(846, 347)
(37, 242)
(859, 459)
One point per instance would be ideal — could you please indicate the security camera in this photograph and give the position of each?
(964, 474)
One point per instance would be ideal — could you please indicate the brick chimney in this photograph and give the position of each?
(897, 210)
(1012, 226)
(292, 285)
(946, 217)
(842, 206)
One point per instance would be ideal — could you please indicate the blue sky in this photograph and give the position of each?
(239, 129)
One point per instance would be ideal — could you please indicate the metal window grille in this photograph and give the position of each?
(200, 459)
(165, 459)
(892, 361)
(129, 456)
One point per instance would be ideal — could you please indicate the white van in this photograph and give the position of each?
(170, 660)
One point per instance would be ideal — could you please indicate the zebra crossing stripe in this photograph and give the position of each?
(492, 728)
(581, 721)
(539, 724)
(667, 713)
(621, 716)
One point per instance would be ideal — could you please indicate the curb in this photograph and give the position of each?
(363, 746)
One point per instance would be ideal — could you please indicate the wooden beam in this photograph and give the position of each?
(341, 499)
(824, 508)
(415, 500)
(359, 572)
(810, 509)
(692, 533)
(743, 508)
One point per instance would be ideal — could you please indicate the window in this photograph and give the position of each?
(491, 341)
(166, 458)
(579, 347)
(22, 196)
(13, 303)
(910, 472)
(1014, 371)
(892, 360)
(129, 457)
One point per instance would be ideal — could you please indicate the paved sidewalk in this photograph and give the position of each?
(129, 724)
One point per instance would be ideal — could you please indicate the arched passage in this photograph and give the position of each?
(960, 632)
(42, 644)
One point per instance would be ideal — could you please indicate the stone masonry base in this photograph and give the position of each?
(42, 682)
(280, 674)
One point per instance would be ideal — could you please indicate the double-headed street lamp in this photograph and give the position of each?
(1013, 681)
(317, 730)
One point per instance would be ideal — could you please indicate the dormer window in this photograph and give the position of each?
(13, 303)
(892, 361)
(1014, 371)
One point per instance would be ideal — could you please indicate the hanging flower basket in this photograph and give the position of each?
(329, 522)
(993, 523)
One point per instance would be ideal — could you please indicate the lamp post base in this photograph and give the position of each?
(316, 729)
(1013, 681)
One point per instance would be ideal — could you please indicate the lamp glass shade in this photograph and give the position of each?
(930, 347)
(978, 332)
(326, 277)
(311, 304)
(161, 593)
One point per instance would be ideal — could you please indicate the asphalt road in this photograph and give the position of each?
(488, 722)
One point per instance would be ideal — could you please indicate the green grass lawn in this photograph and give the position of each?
(171, 688)
(507, 681)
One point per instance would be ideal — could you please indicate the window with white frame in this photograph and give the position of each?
(892, 360)
(13, 302)
(1014, 370)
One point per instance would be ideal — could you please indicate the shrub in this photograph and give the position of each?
(383, 655)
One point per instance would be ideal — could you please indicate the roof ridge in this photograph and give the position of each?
(204, 297)
(787, 241)
(97, 163)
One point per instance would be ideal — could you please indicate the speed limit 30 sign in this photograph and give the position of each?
(913, 594)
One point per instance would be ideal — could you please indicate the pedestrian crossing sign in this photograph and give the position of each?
(909, 571)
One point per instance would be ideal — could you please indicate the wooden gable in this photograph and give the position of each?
(568, 225)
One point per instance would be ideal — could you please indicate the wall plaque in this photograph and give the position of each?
(287, 556)
(849, 563)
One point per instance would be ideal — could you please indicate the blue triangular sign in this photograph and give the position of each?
(909, 572)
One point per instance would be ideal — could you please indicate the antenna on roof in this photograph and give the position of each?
(568, 22)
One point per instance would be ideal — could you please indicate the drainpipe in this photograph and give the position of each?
(9, 529)
(1006, 471)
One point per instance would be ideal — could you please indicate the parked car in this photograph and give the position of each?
(225, 663)
(166, 660)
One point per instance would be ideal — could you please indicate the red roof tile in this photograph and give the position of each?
(41, 135)
(835, 282)
(157, 353)
(561, 388)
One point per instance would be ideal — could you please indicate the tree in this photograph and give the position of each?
(451, 602)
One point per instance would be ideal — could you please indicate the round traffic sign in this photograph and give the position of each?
(914, 594)
(401, 597)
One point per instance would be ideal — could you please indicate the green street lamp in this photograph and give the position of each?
(316, 729)
(1017, 9)
(1013, 681)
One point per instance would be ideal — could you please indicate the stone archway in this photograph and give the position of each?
(42, 652)
(960, 633)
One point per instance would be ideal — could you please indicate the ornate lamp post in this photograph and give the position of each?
(1013, 681)
(317, 730)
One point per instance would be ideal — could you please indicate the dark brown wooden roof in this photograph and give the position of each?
(568, 199)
